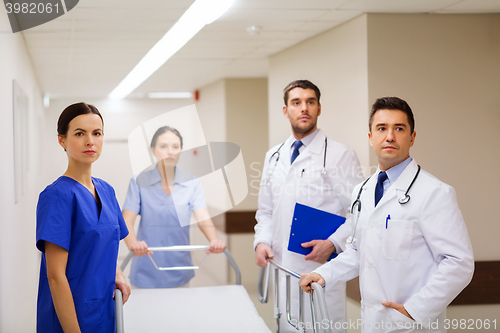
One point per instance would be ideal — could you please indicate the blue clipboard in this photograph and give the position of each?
(310, 223)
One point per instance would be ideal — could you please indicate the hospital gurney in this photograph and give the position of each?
(315, 294)
(203, 309)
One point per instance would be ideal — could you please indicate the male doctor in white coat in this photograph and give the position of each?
(412, 254)
(312, 170)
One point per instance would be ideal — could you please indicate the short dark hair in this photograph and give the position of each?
(162, 130)
(304, 84)
(392, 103)
(73, 111)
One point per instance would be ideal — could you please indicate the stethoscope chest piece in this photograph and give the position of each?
(403, 200)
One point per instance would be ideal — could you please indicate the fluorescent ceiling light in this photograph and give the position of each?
(201, 13)
(170, 95)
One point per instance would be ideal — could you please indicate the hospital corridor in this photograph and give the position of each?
(215, 137)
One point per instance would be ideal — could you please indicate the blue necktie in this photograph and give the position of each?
(296, 146)
(379, 189)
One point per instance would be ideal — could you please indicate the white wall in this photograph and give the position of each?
(19, 258)
(235, 110)
(212, 110)
(247, 126)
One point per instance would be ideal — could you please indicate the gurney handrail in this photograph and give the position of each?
(230, 258)
(119, 310)
(286, 270)
(180, 248)
(263, 293)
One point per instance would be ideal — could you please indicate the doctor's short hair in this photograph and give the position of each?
(73, 111)
(304, 84)
(163, 130)
(392, 103)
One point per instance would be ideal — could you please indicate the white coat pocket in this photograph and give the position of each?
(397, 239)
(396, 322)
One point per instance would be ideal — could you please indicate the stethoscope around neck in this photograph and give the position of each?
(356, 205)
(277, 154)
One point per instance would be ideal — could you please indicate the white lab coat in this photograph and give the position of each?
(423, 259)
(283, 185)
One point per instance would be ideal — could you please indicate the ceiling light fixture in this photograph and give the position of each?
(201, 13)
(170, 95)
(254, 30)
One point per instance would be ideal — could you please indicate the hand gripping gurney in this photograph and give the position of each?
(203, 309)
(316, 293)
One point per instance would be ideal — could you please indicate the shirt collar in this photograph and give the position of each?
(396, 171)
(152, 177)
(306, 141)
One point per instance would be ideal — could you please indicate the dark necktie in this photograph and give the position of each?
(379, 189)
(296, 146)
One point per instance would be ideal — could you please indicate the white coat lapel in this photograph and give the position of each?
(368, 195)
(282, 170)
(286, 154)
(387, 197)
(315, 148)
(404, 181)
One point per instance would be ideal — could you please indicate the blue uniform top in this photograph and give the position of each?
(68, 215)
(164, 222)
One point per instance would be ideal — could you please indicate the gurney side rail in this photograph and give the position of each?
(119, 310)
(230, 258)
(317, 292)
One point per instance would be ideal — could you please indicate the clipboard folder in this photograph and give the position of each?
(310, 223)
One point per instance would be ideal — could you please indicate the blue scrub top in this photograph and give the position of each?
(68, 216)
(165, 221)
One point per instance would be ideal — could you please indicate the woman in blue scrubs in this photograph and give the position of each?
(79, 227)
(165, 197)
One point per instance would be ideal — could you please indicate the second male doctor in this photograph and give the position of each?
(312, 170)
(413, 257)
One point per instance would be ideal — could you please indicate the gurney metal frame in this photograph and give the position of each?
(263, 291)
(118, 293)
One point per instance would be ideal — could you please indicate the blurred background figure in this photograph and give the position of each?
(165, 197)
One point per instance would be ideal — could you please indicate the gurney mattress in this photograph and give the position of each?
(205, 309)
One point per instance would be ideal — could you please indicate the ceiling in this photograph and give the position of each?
(89, 50)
